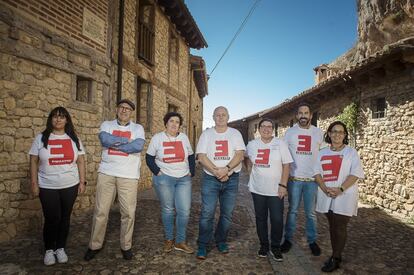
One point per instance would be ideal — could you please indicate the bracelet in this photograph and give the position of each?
(228, 166)
(284, 186)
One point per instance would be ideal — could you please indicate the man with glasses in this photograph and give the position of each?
(122, 141)
(304, 141)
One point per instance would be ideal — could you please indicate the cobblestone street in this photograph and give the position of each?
(377, 244)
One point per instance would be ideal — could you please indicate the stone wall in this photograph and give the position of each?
(385, 145)
(39, 67)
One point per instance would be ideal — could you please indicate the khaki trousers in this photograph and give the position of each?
(106, 189)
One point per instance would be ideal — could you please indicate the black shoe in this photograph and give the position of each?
(286, 246)
(262, 253)
(127, 254)
(314, 247)
(90, 254)
(276, 254)
(331, 265)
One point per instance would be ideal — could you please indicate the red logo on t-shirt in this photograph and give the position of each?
(63, 148)
(304, 143)
(222, 148)
(331, 165)
(112, 151)
(175, 149)
(262, 156)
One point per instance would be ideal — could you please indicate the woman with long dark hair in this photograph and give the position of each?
(57, 175)
(337, 171)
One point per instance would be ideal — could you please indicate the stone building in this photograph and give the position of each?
(371, 88)
(67, 53)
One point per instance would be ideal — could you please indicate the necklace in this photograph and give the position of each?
(338, 149)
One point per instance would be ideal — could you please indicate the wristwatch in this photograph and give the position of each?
(228, 166)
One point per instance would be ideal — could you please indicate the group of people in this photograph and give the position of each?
(294, 166)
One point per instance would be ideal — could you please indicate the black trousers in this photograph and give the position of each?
(57, 207)
(263, 205)
(338, 230)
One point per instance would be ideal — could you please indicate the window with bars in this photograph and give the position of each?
(379, 107)
(173, 47)
(144, 102)
(172, 108)
(146, 31)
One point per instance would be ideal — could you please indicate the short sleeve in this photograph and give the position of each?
(202, 144)
(105, 127)
(285, 153)
(188, 145)
(140, 132)
(356, 166)
(152, 147)
(238, 141)
(83, 151)
(249, 149)
(36, 145)
(317, 168)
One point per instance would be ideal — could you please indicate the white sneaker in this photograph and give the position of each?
(61, 256)
(49, 257)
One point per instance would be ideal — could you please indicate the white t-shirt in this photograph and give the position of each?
(57, 163)
(304, 145)
(220, 147)
(116, 163)
(267, 160)
(171, 153)
(335, 167)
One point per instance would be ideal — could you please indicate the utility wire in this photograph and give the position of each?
(237, 33)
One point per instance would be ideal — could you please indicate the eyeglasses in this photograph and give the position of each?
(124, 108)
(266, 126)
(338, 132)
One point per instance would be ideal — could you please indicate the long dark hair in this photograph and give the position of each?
(333, 124)
(69, 128)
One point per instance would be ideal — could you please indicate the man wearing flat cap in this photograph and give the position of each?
(122, 141)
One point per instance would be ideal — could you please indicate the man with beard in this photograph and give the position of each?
(304, 141)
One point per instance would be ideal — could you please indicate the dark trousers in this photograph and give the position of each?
(57, 207)
(337, 229)
(263, 205)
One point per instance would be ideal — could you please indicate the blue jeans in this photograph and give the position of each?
(295, 191)
(175, 196)
(211, 191)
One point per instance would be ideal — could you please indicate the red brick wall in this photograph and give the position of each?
(64, 16)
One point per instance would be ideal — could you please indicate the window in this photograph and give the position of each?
(173, 46)
(276, 129)
(83, 89)
(314, 120)
(379, 107)
(172, 108)
(291, 123)
(146, 31)
(144, 102)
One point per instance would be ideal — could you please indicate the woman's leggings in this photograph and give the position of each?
(57, 207)
(337, 229)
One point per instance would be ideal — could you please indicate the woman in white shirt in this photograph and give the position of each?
(171, 160)
(337, 170)
(269, 159)
(57, 175)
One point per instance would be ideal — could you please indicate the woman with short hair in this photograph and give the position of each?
(171, 160)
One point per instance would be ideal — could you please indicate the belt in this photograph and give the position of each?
(301, 179)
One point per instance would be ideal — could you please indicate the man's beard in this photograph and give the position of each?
(304, 122)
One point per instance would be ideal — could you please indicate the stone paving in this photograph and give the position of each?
(377, 244)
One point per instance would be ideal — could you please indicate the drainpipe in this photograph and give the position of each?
(120, 49)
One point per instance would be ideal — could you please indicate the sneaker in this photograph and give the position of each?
(90, 254)
(49, 258)
(61, 255)
(286, 246)
(262, 253)
(127, 254)
(314, 247)
(168, 246)
(331, 265)
(276, 254)
(183, 247)
(223, 248)
(201, 253)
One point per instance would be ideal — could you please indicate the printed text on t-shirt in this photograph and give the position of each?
(61, 147)
(222, 150)
(262, 158)
(304, 145)
(331, 165)
(176, 151)
(118, 133)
